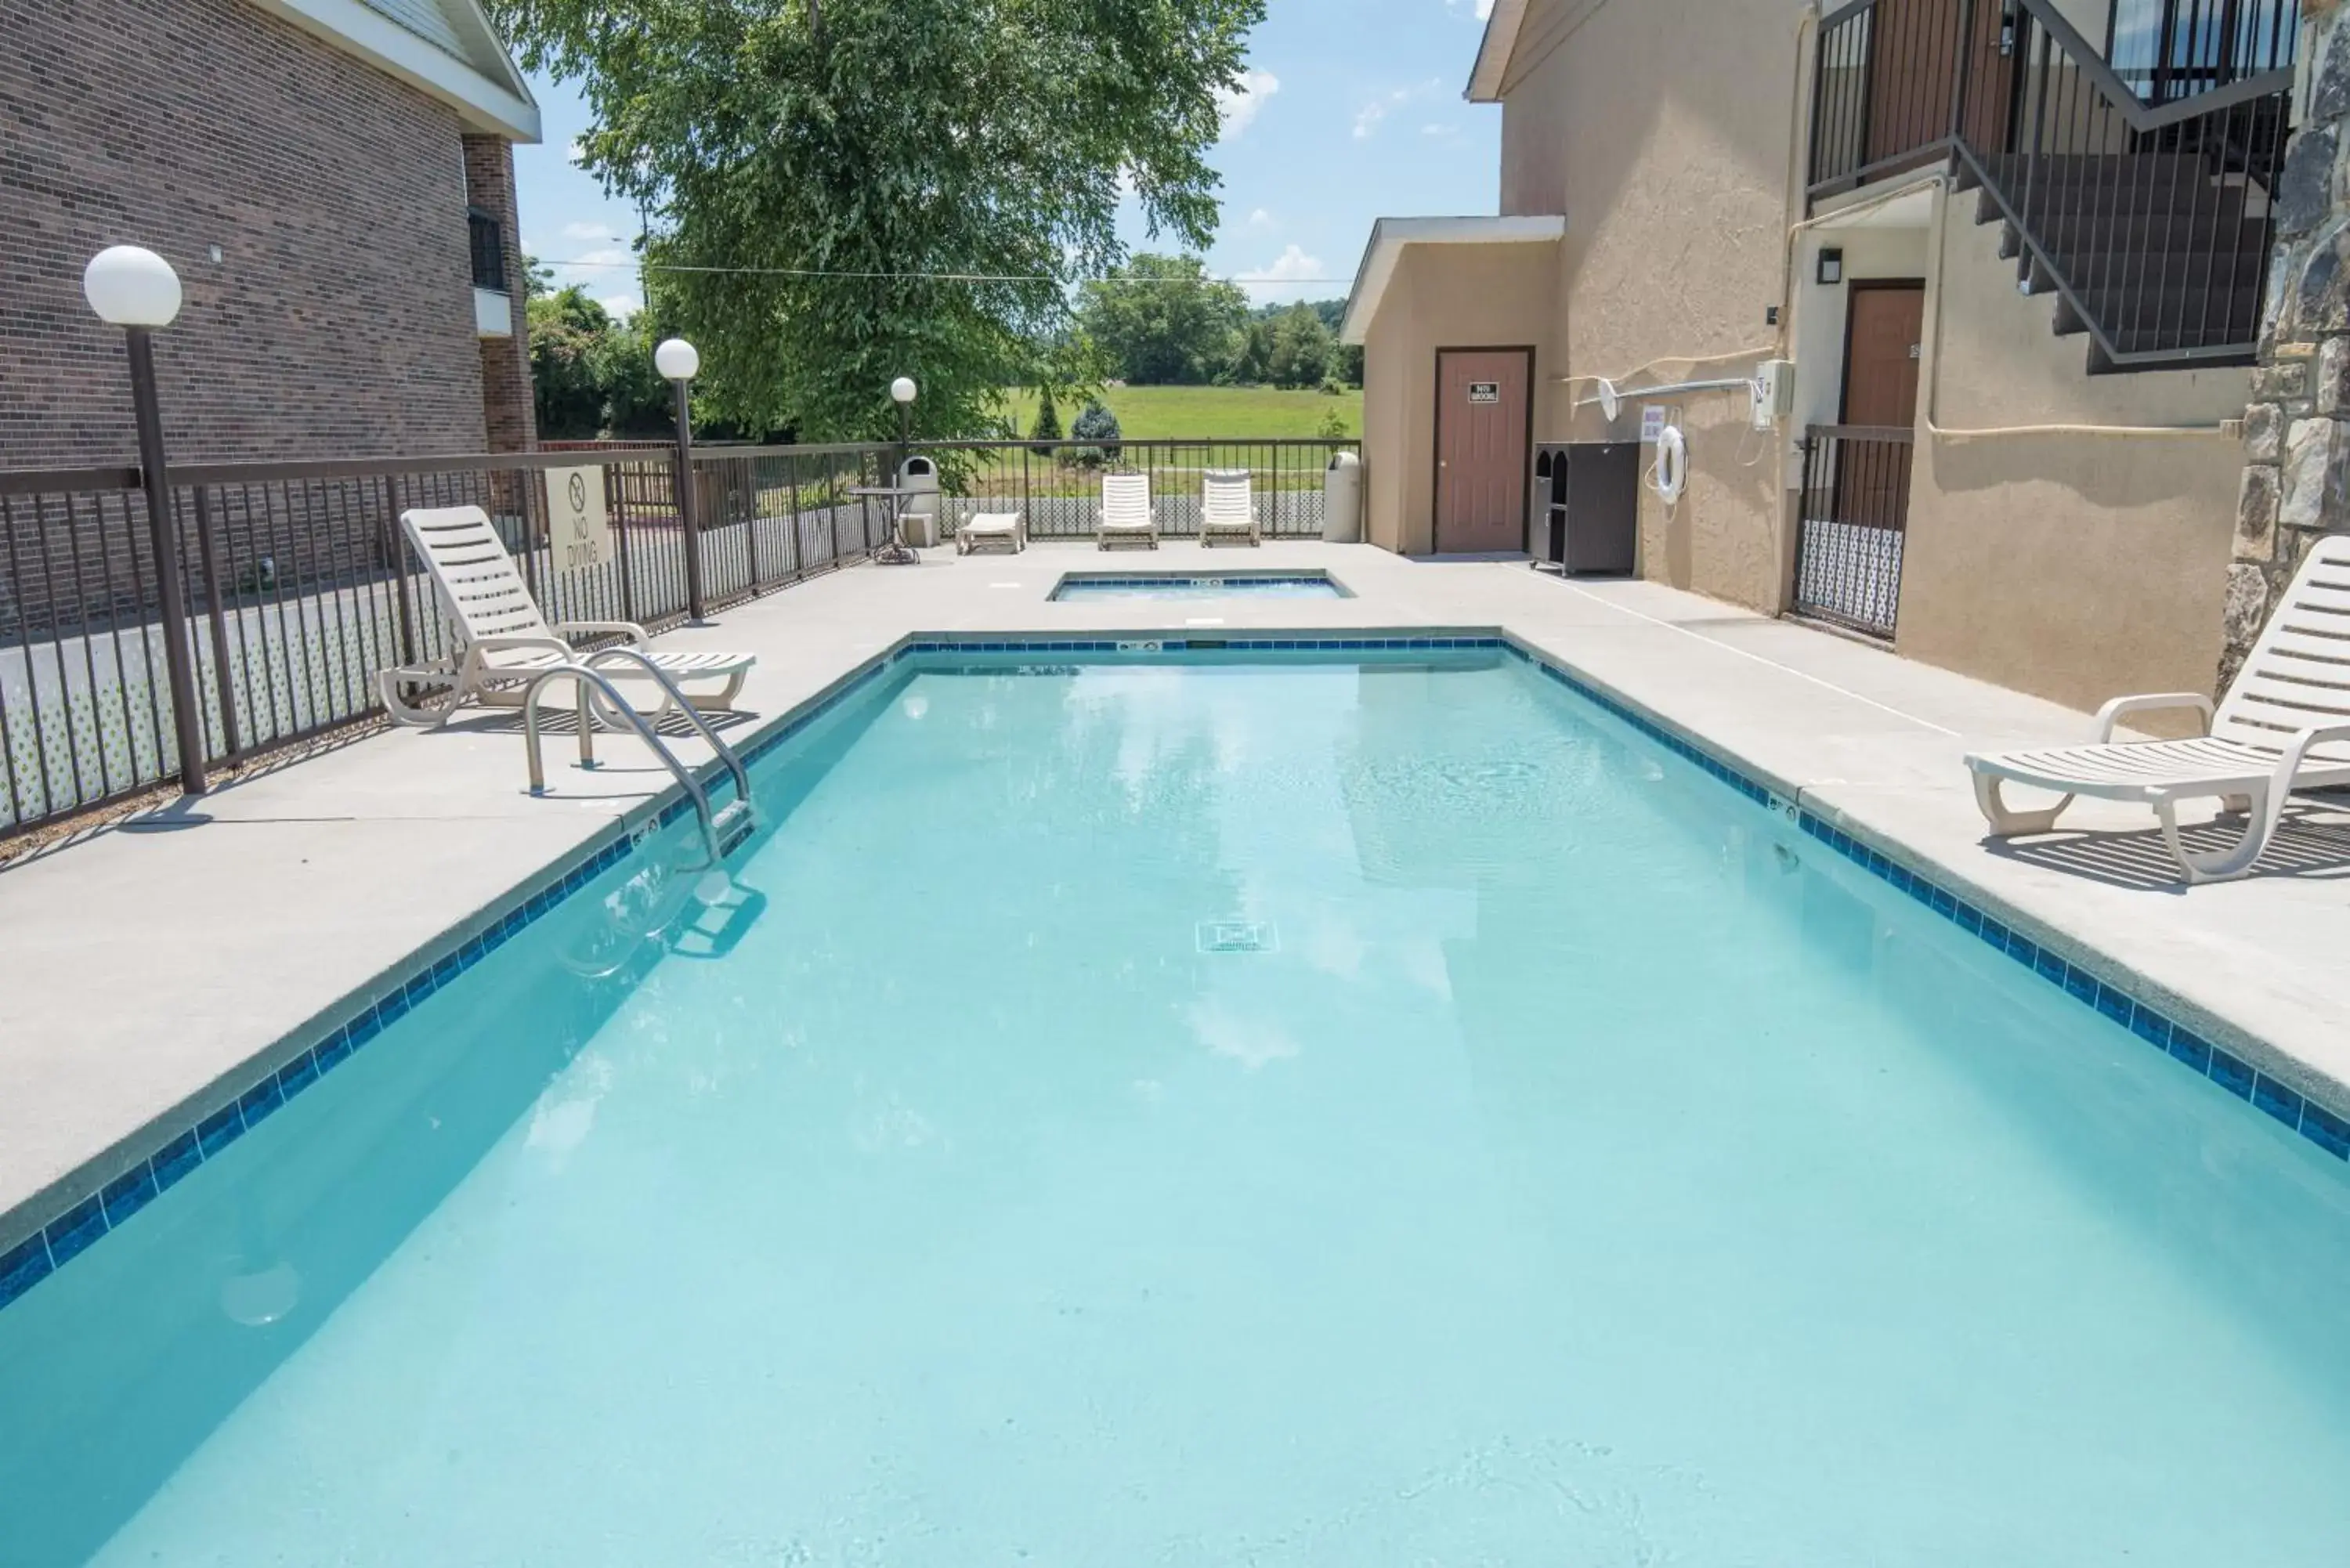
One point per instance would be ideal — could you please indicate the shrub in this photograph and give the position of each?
(1096, 427)
(1048, 420)
(1333, 426)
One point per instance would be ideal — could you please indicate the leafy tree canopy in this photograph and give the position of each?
(981, 139)
(1162, 321)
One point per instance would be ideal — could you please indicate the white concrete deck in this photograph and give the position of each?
(150, 967)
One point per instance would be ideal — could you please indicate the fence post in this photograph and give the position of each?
(684, 484)
(223, 686)
(179, 660)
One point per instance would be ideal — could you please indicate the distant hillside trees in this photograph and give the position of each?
(1163, 321)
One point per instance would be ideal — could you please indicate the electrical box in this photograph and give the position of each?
(1772, 387)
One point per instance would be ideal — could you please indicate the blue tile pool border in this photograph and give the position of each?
(1242, 577)
(26, 1262)
(2120, 1001)
(88, 1217)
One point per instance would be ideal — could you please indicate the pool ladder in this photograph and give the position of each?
(723, 831)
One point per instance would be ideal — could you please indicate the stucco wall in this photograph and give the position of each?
(1662, 131)
(2073, 566)
(1442, 297)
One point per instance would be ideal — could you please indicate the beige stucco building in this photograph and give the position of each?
(2020, 428)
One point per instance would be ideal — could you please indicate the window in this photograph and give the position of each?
(2168, 50)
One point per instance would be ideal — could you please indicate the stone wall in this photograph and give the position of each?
(2296, 484)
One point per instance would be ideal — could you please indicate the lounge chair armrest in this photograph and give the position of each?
(628, 628)
(2296, 750)
(2114, 711)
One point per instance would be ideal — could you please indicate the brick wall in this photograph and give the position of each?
(339, 320)
(507, 400)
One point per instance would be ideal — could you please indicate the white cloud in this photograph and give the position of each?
(589, 231)
(622, 304)
(1484, 9)
(1438, 129)
(576, 153)
(1368, 118)
(1237, 105)
(1260, 218)
(1292, 275)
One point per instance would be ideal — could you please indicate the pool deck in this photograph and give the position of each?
(149, 968)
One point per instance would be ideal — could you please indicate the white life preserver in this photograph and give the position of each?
(1669, 472)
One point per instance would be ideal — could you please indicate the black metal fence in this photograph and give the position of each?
(2143, 203)
(1056, 485)
(1851, 526)
(299, 588)
(298, 585)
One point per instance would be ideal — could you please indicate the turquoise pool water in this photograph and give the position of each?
(1307, 1114)
(1223, 586)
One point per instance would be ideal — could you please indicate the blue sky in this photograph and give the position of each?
(1352, 111)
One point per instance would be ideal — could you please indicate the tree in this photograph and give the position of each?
(911, 188)
(1162, 321)
(567, 345)
(1095, 425)
(1300, 350)
(1048, 420)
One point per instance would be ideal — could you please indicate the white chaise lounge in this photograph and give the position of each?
(1009, 529)
(1127, 517)
(1228, 509)
(506, 641)
(2284, 725)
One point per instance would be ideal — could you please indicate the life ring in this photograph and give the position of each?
(1669, 471)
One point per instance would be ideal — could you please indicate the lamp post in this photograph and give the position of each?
(679, 362)
(902, 391)
(137, 290)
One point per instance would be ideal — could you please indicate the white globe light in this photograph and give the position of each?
(677, 359)
(903, 389)
(128, 287)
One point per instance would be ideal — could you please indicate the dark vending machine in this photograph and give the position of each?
(1586, 519)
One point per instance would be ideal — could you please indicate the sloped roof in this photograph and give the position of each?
(1389, 236)
(444, 47)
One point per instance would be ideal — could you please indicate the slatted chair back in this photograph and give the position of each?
(1126, 500)
(2297, 676)
(476, 578)
(1228, 503)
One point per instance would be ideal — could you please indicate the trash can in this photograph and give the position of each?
(1342, 498)
(918, 514)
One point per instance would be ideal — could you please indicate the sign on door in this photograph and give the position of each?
(578, 526)
(1484, 391)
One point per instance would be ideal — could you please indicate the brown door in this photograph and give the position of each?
(1484, 425)
(1883, 346)
(1914, 51)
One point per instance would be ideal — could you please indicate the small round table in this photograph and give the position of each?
(897, 552)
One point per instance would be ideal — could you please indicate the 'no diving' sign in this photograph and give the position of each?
(578, 526)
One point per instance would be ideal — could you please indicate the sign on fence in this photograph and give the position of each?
(578, 526)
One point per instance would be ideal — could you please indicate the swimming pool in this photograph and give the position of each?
(1341, 1108)
(1270, 585)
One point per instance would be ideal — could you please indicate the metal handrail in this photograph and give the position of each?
(587, 675)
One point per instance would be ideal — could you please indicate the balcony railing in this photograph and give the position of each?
(489, 244)
(2151, 220)
(1854, 525)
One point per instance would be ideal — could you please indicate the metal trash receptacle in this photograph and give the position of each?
(918, 516)
(1342, 498)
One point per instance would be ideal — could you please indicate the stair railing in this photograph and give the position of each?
(2152, 223)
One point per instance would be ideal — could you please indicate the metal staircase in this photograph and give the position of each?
(2149, 223)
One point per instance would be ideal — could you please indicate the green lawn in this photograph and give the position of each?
(1249, 413)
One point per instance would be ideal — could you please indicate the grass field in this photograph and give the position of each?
(1163, 413)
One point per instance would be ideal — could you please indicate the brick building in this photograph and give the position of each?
(333, 181)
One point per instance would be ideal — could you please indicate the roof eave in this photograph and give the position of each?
(1500, 39)
(1390, 236)
(497, 101)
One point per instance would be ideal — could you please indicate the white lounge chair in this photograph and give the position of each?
(1127, 517)
(506, 641)
(1228, 508)
(2284, 725)
(1009, 528)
